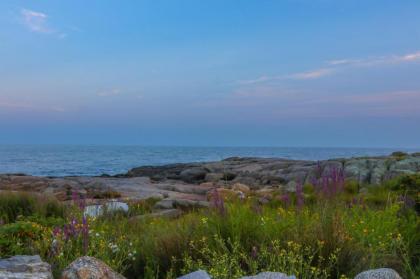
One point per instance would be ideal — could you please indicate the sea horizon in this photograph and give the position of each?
(96, 159)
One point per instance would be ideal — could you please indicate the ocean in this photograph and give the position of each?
(92, 160)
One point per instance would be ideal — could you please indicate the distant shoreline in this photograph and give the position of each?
(87, 161)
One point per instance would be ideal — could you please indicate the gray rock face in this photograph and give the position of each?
(187, 184)
(24, 267)
(192, 175)
(270, 275)
(381, 273)
(89, 268)
(99, 209)
(199, 274)
(257, 172)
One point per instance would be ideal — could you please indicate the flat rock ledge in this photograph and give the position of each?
(188, 186)
(257, 172)
(24, 267)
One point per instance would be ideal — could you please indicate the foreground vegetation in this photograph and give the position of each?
(330, 229)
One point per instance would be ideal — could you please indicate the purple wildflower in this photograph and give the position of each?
(299, 195)
(217, 202)
(85, 233)
(285, 199)
(254, 252)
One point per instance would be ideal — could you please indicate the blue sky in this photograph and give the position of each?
(221, 73)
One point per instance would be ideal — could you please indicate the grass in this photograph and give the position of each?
(20, 204)
(329, 236)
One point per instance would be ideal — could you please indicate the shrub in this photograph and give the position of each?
(14, 204)
(399, 155)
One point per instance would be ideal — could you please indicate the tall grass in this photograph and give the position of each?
(16, 204)
(320, 232)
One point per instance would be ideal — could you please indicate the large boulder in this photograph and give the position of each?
(270, 275)
(381, 273)
(89, 268)
(24, 267)
(193, 175)
(109, 207)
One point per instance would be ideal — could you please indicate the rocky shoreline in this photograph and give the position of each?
(192, 181)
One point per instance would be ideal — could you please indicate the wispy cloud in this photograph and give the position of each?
(372, 61)
(38, 22)
(319, 73)
(14, 105)
(334, 66)
(411, 57)
(314, 74)
(35, 21)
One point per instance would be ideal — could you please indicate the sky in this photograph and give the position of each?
(328, 73)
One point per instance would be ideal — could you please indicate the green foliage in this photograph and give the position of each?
(105, 195)
(141, 207)
(326, 238)
(399, 155)
(408, 187)
(228, 259)
(14, 204)
(351, 187)
(22, 238)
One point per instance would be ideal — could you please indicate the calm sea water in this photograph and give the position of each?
(89, 160)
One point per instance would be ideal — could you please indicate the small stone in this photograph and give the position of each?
(164, 204)
(381, 273)
(89, 268)
(199, 274)
(270, 275)
(241, 187)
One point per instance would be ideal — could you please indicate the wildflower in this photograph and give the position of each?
(254, 252)
(262, 221)
(218, 203)
(285, 199)
(299, 195)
